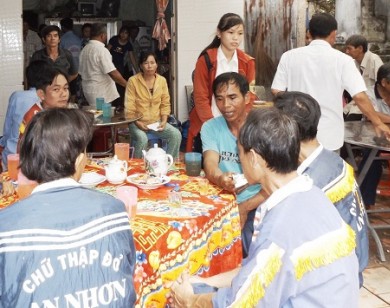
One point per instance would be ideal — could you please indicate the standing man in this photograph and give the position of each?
(97, 71)
(53, 54)
(220, 152)
(69, 40)
(324, 73)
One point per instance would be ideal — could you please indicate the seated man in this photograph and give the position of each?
(302, 252)
(328, 170)
(220, 152)
(53, 92)
(19, 103)
(64, 245)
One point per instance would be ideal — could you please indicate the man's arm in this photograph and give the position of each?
(72, 77)
(252, 203)
(362, 101)
(214, 174)
(117, 77)
(384, 117)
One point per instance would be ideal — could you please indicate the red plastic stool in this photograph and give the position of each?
(100, 140)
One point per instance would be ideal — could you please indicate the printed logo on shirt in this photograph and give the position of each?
(229, 156)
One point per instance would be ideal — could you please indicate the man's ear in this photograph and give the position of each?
(253, 158)
(79, 165)
(41, 94)
(247, 97)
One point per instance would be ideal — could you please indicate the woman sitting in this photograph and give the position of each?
(147, 92)
(64, 243)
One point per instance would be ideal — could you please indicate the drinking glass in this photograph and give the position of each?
(99, 103)
(193, 163)
(129, 196)
(106, 110)
(13, 165)
(122, 151)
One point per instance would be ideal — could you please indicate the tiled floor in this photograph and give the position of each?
(376, 289)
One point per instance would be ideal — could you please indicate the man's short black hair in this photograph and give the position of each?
(357, 40)
(66, 23)
(321, 25)
(304, 109)
(231, 78)
(274, 136)
(46, 30)
(98, 29)
(53, 140)
(41, 74)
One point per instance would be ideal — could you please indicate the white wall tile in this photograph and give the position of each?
(11, 53)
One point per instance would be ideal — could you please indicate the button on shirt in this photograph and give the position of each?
(324, 73)
(95, 64)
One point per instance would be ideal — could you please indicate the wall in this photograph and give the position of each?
(143, 10)
(197, 22)
(11, 53)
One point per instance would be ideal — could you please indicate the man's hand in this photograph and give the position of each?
(182, 292)
(182, 295)
(382, 130)
(225, 181)
(8, 189)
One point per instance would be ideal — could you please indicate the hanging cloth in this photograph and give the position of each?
(161, 31)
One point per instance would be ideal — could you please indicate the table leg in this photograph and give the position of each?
(366, 166)
(351, 157)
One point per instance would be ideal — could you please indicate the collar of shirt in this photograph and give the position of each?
(96, 42)
(224, 65)
(307, 162)
(66, 182)
(319, 42)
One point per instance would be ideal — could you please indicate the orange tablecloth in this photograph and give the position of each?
(202, 235)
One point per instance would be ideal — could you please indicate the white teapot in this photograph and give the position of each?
(116, 171)
(157, 161)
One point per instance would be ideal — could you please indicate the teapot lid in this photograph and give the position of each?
(156, 150)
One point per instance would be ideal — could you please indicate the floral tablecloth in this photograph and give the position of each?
(201, 235)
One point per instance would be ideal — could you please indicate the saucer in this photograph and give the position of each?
(143, 181)
(91, 179)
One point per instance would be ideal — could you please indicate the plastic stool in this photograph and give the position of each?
(152, 138)
(100, 140)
